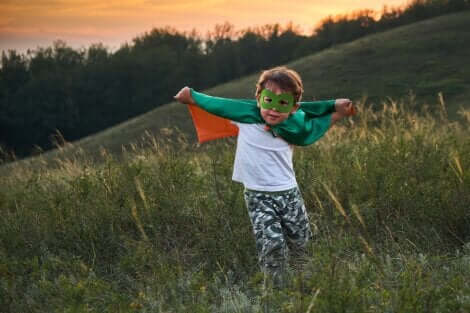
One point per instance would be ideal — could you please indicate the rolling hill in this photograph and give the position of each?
(422, 59)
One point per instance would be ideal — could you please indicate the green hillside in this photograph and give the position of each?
(423, 59)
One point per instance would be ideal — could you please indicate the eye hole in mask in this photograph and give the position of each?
(282, 103)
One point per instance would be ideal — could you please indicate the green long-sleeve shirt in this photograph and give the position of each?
(303, 127)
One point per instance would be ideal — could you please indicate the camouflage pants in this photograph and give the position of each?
(281, 227)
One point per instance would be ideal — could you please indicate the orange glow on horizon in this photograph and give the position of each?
(27, 24)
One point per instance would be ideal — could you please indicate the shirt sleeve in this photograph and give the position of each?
(318, 108)
(238, 110)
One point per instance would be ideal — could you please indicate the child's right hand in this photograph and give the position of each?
(184, 96)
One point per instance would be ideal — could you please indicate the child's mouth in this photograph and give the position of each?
(273, 116)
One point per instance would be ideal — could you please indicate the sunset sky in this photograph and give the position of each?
(31, 23)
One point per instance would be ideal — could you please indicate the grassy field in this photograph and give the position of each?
(164, 229)
(421, 59)
(157, 225)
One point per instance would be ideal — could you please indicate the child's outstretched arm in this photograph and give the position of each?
(208, 126)
(313, 120)
(317, 108)
(239, 110)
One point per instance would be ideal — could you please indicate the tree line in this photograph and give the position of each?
(79, 92)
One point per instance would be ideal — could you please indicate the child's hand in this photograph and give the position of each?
(184, 96)
(344, 107)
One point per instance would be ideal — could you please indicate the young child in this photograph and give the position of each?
(268, 127)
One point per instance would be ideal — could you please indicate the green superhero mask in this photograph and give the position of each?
(282, 103)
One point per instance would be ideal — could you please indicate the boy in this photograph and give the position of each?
(263, 161)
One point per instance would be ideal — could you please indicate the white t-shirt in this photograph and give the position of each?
(262, 161)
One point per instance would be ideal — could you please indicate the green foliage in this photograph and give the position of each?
(166, 230)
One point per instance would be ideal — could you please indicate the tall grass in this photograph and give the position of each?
(165, 229)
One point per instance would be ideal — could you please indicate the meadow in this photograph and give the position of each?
(164, 229)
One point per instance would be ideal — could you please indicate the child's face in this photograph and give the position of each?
(272, 116)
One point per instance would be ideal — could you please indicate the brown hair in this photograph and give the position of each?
(285, 78)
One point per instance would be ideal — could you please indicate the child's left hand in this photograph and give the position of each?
(344, 107)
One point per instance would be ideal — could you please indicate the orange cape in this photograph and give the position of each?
(209, 126)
